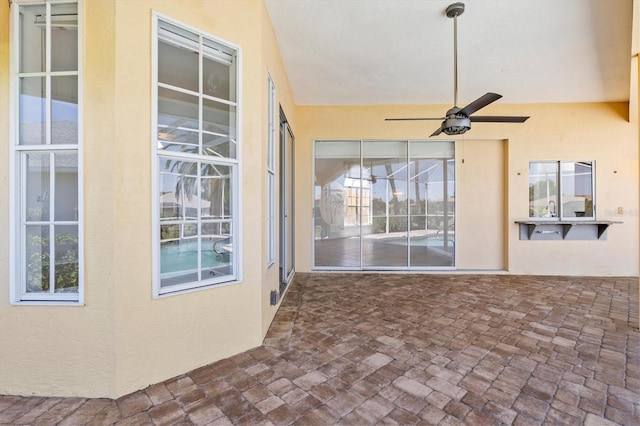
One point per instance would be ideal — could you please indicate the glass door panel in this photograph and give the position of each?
(384, 243)
(339, 185)
(431, 213)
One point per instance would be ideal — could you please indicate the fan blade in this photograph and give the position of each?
(497, 119)
(413, 119)
(437, 132)
(481, 102)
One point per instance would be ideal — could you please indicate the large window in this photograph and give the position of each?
(196, 151)
(561, 190)
(46, 258)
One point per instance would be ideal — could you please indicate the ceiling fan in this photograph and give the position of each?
(458, 120)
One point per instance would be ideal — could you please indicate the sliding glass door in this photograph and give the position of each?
(384, 205)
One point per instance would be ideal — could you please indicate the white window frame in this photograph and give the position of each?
(559, 209)
(272, 128)
(233, 163)
(17, 289)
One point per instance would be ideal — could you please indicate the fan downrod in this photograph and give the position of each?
(455, 9)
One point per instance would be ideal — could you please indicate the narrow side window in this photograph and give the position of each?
(46, 160)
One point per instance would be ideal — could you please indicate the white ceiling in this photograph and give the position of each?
(374, 52)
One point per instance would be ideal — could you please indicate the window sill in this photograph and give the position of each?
(550, 229)
(46, 303)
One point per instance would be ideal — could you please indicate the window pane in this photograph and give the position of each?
(216, 79)
(178, 256)
(577, 189)
(217, 250)
(64, 37)
(177, 121)
(219, 125)
(178, 66)
(177, 109)
(32, 111)
(218, 146)
(37, 258)
(66, 189)
(543, 189)
(216, 194)
(32, 38)
(66, 267)
(64, 110)
(178, 189)
(38, 177)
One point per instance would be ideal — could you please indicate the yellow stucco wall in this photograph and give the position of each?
(67, 350)
(122, 339)
(599, 132)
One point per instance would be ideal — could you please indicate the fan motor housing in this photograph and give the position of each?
(456, 125)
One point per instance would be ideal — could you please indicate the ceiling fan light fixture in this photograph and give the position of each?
(456, 125)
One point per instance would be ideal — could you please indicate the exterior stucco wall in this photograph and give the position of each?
(122, 339)
(68, 350)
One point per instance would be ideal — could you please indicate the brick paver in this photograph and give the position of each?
(357, 349)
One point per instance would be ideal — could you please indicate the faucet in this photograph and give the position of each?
(552, 212)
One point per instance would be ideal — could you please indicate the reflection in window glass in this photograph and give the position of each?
(177, 66)
(32, 111)
(543, 189)
(64, 37)
(66, 255)
(38, 186)
(66, 187)
(577, 189)
(33, 55)
(37, 268)
(216, 80)
(64, 109)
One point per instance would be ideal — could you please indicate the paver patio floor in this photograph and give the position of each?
(361, 349)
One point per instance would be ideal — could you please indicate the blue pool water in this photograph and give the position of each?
(183, 257)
